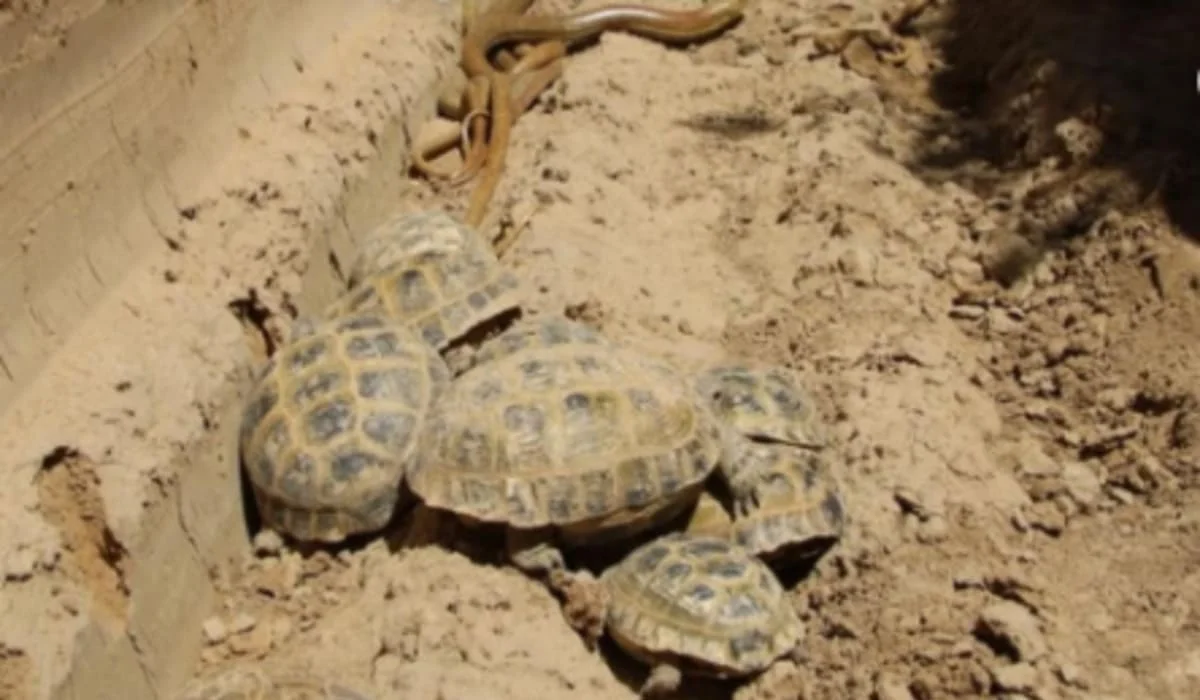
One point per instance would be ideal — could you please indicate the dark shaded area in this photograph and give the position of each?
(1015, 68)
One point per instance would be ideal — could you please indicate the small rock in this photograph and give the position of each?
(1070, 675)
(1117, 398)
(70, 604)
(281, 629)
(1081, 483)
(50, 559)
(19, 565)
(933, 530)
(889, 687)
(210, 656)
(967, 312)
(1000, 322)
(1010, 629)
(1120, 495)
(1047, 517)
(267, 543)
(243, 623)
(857, 265)
(278, 577)
(1015, 678)
(255, 643)
(1033, 461)
(214, 630)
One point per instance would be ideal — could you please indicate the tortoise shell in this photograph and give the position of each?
(407, 236)
(253, 683)
(799, 513)
(701, 604)
(541, 332)
(565, 435)
(766, 403)
(332, 423)
(418, 275)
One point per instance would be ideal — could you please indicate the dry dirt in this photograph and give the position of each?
(1019, 460)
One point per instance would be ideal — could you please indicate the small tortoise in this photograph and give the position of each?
(763, 403)
(432, 273)
(798, 512)
(333, 422)
(253, 683)
(696, 605)
(569, 443)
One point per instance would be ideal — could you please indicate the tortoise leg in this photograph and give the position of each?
(585, 600)
(532, 552)
(742, 469)
(663, 680)
(585, 605)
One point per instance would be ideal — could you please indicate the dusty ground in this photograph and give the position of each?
(1019, 460)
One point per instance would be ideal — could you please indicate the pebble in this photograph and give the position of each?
(255, 643)
(214, 630)
(857, 265)
(281, 629)
(267, 543)
(19, 565)
(1081, 483)
(1047, 517)
(1015, 628)
(1070, 675)
(967, 312)
(1033, 461)
(50, 559)
(889, 687)
(243, 623)
(278, 577)
(210, 656)
(933, 530)
(1017, 678)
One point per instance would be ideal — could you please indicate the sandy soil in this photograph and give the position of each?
(1019, 459)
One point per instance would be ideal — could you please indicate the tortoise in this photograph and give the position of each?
(254, 683)
(428, 271)
(698, 605)
(763, 403)
(332, 423)
(798, 512)
(567, 444)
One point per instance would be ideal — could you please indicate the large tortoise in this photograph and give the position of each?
(697, 605)
(569, 442)
(332, 424)
(432, 273)
(255, 683)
